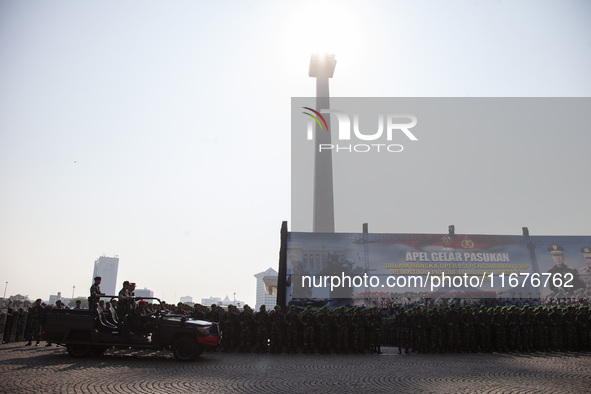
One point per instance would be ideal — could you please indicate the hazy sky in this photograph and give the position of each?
(160, 131)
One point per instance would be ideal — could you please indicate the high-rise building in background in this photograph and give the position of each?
(266, 289)
(145, 292)
(106, 268)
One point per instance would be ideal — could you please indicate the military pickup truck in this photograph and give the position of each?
(90, 333)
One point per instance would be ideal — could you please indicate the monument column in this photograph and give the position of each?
(322, 68)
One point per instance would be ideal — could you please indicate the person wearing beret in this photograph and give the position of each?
(95, 294)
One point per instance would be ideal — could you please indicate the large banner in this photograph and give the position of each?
(337, 268)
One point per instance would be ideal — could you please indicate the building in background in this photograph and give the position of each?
(106, 268)
(266, 289)
(187, 300)
(223, 303)
(54, 297)
(210, 301)
(143, 292)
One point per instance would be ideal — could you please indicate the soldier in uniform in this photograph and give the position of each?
(322, 332)
(541, 323)
(358, 323)
(262, 322)
(556, 332)
(513, 330)
(375, 329)
(526, 326)
(466, 330)
(234, 322)
(499, 320)
(132, 295)
(227, 330)
(570, 328)
(198, 313)
(277, 323)
(180, 309)
(452, 318)
(246, 328)
(582, 326)
(215, 314)
(485, 322)
(124, 301)
(291, 330)
(435, 328)
(35, 313)
(95, 294)
(141, 319)
(417, 326)
(561, 271)
(308, 323)
(402, 324)
(341, 322)
(124, 308)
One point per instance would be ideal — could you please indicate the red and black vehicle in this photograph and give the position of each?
(86, 333)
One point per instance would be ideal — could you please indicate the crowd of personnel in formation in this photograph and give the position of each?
(424, 329)
(451, 328)
(490, 329)
(340, 330)
(419, 329)
(436, 329)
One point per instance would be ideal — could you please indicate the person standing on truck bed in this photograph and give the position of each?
(95, 294)
(124, 302)
(125, 306)
(132, 304)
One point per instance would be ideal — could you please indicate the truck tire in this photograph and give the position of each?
(185, 348)
(78, 351)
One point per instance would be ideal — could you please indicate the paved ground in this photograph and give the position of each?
(41, 369)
